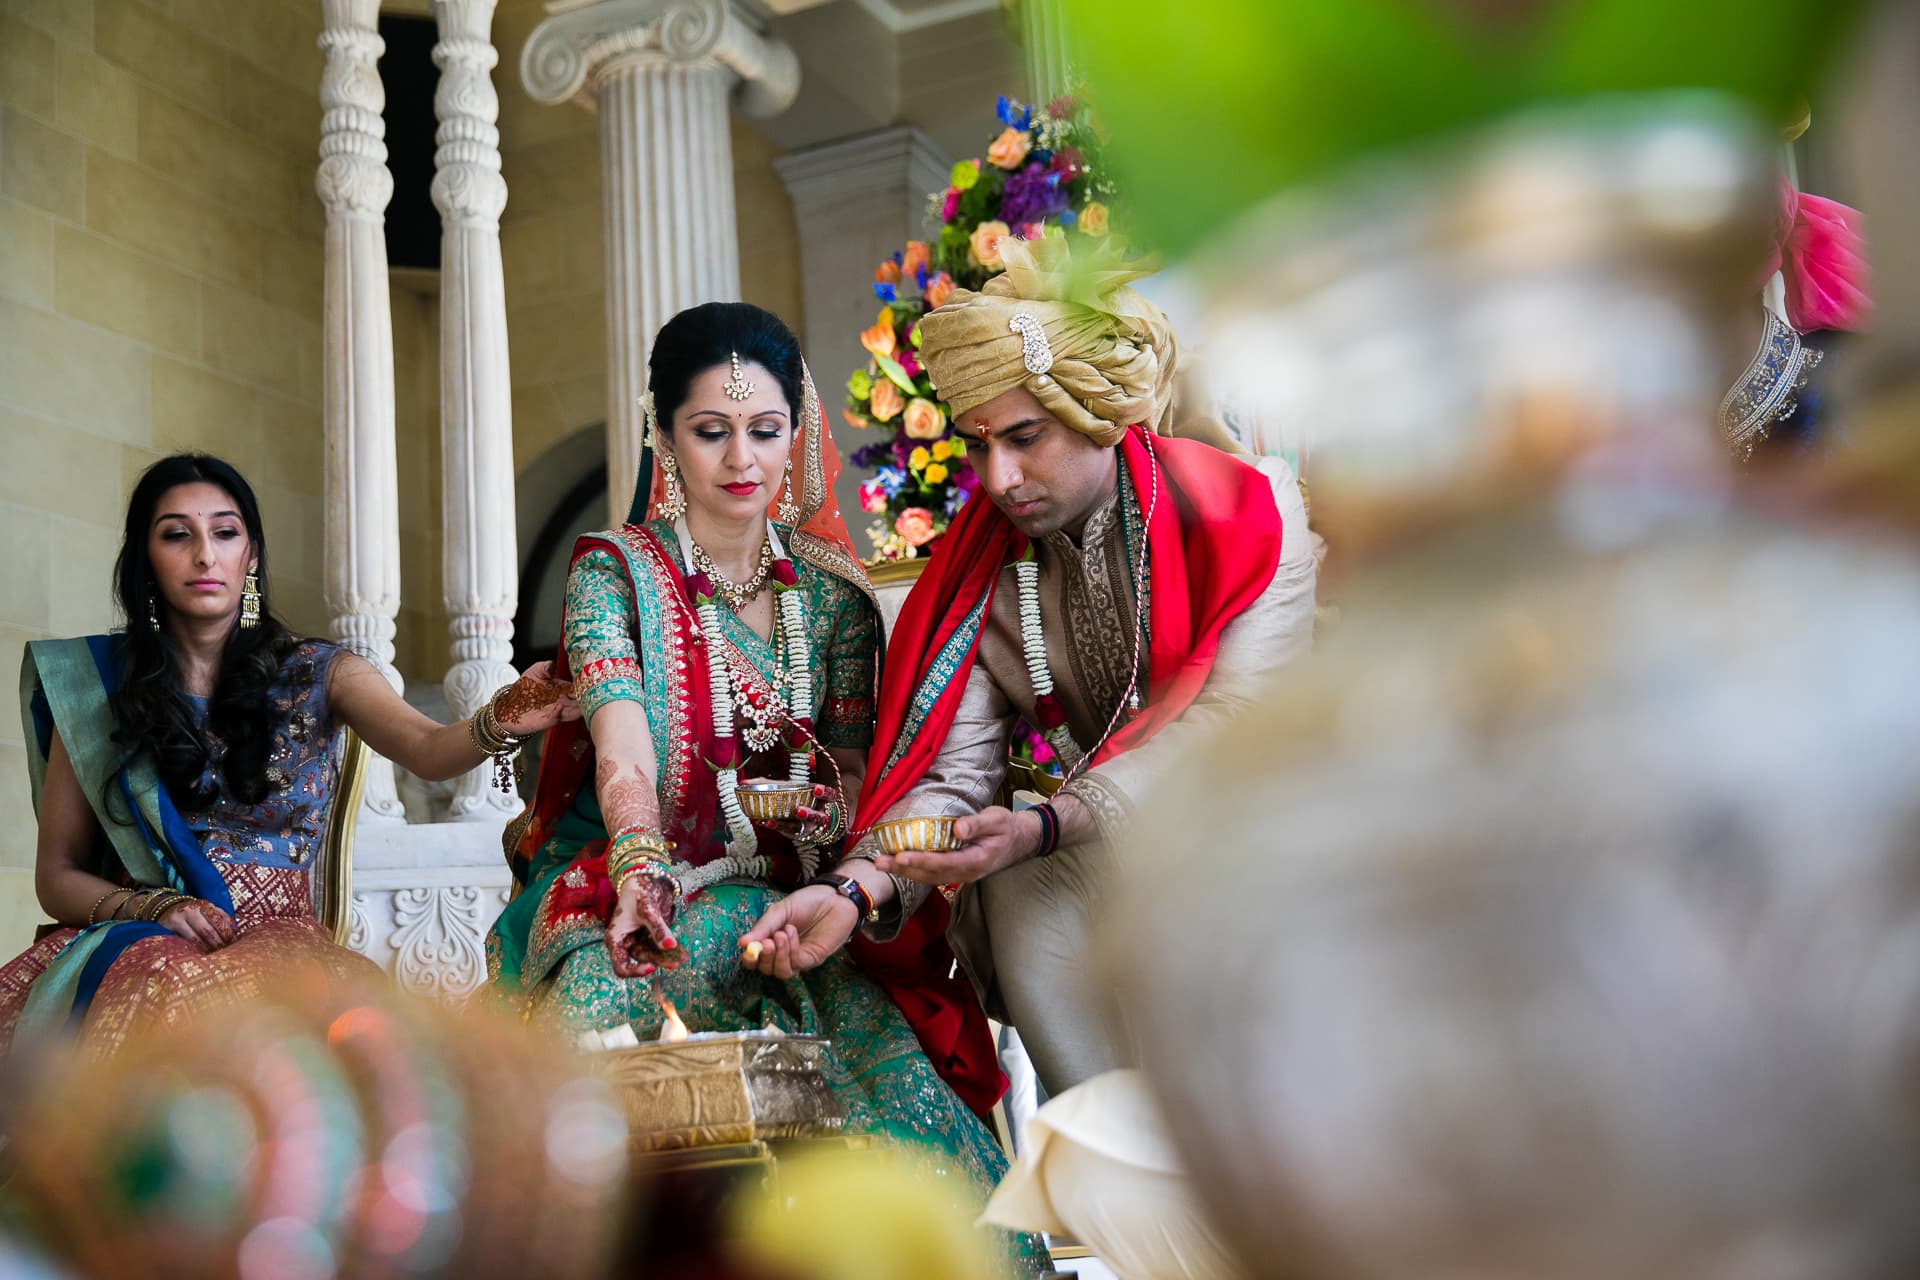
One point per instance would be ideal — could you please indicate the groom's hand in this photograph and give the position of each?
(799, 932)
(989, 840)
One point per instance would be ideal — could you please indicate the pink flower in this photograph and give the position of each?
(784, 573)
(873, 497)
(915, 525)
(950, 204)
(1042, 751)
(909, 362)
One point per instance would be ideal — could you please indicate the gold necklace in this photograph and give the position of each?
(737, 595)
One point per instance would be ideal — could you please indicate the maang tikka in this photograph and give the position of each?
(737, 388)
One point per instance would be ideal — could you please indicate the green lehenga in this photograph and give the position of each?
(548, 949)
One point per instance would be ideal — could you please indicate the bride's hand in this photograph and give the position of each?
(811, 818)
(536, 702)
(640, 935)
(799, 932)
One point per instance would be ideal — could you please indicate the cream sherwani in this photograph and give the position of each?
(1022, 932)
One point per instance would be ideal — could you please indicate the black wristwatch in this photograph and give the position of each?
(855, 892)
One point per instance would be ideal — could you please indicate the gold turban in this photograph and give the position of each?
(1113, 351)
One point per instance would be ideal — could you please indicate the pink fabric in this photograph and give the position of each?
(1821, 251)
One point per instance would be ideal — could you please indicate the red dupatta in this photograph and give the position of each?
(1213, 540)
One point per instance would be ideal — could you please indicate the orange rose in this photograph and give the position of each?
(879, 339)
(925, 420)
(887, 401)
(915, 525)
(915, 258)
(1009, 149)
(939, 289)
(984, 245)
(888, 272)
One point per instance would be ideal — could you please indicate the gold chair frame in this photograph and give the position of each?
(333, 877)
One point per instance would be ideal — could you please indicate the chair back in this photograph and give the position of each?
(333, 871)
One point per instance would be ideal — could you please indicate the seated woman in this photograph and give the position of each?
(708, 644)
(182, 771)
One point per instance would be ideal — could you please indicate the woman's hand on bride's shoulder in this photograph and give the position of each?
(536, 702)
(640, 934)
(799, 932)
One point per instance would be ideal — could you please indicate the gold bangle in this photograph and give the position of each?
(638, 853)
(93, 912)
(159, 904)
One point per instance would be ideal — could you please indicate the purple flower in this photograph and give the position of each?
(872, 455)
(1032, 195)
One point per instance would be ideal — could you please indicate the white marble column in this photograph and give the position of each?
(1043, 41)
(476, 425)
(361, 484)
(660, 73)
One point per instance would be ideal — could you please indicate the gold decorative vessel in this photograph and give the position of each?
(900, 835)
(724, 1087)
(768, 800)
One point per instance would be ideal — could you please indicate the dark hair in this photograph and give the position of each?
(151, 708)
(704, 336)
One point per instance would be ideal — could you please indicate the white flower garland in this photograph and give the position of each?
(1033, 641)
(793, 634)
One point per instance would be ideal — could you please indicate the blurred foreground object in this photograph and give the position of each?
(1096, 1164)
(1214, 107)
(883, 1213)
(1562, 916)
(323, 1134)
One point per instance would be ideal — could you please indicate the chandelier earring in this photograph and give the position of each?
(250, 601)
(153, 615)
(789, 509)
(674, 504)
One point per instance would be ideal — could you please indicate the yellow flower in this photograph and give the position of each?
(936, 474)
(919, 458)
(942, 450)
(1093, 218)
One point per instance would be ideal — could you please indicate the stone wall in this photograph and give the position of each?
(160, 278)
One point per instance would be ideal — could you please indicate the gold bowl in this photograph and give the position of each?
(902, 835)
(768, 800)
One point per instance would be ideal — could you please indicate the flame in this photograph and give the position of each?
(672, 1029)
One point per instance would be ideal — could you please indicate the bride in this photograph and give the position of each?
(726, 633)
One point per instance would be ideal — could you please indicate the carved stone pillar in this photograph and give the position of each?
(1043, 41)
(660, 74)
(855, 200)
(476, 425)
(361, 483)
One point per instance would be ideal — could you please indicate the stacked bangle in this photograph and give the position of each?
(159, 903)
(638, 852)
(495, 742)
(1049, 829)
(93, 912)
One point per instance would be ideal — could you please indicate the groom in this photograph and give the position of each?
(1150, 581)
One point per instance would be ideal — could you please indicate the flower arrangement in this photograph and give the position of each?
(1040, 173)
(1031, 748)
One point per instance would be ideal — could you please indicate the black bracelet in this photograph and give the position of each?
(1049, 829)
(853, 891)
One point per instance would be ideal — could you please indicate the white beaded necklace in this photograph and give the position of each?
(1033, 641)
(792, 631)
